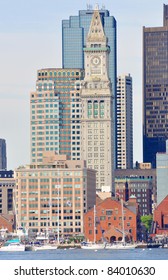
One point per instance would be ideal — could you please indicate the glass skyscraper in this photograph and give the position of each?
(74, 35)
(155, 89)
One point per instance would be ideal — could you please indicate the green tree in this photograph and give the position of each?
(147, 221)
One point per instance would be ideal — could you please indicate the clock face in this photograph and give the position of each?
(95, 60)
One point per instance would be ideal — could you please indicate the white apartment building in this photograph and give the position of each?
(124, 130)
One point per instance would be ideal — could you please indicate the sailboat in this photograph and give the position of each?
(43, 238)
(121, 244)
(93, 245)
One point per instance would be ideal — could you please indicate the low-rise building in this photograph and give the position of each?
(54, 194)
(105, 220)
(160, 219)
(7, 185)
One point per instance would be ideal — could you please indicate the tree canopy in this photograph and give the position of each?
(147, 221)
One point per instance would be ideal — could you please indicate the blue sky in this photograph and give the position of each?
(30, 39)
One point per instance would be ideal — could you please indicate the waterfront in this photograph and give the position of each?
(79, 254)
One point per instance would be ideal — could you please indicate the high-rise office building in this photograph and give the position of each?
(97, 106)
(3, 159)
(74, 35)
(51, 113)
(162, 174)
(155, 89)
(124, 122)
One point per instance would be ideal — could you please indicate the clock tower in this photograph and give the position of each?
(97, 105)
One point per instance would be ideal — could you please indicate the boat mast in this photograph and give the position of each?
(58, 237)
(58, 200)
(122, 213)
(15, 210)
(94, 224)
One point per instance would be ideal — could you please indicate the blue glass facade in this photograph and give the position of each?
(74, 34)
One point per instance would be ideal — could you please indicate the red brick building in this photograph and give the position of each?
(160, 218)
(7, 221)
(108, 220)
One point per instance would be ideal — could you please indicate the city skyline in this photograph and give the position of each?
(30, 42)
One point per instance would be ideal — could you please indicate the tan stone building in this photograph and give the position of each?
(54, 194)
(7, 185)
(97, 106)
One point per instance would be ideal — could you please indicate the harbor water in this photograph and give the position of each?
(79, 254)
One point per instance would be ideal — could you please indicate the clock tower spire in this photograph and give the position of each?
(97, 104)
(96, 51)
(96, 32)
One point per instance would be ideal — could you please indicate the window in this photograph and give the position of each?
(109, 212)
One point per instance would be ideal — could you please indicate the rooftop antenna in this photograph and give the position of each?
(96, 7)
(89, 7)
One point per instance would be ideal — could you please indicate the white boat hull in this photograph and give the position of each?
(45, 247)
(120, 246)
(93, 246)
(13, 248)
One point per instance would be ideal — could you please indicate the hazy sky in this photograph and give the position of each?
(30, 39)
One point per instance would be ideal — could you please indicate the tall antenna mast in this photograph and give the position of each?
(96, 7)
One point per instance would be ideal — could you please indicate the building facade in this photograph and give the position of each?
(104, 222)
(97, 106)
(141, 188)
(51, 112)
(124, 124)
(160, 219)
(162, 174)
(155, 90)
(7, 185)
(3, 158)
(54, 195)
(145, 181)
(74, 36)
(7, 209)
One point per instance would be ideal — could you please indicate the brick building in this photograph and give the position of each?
(7, 222)
(141, 188)
(108, 220)
(160, 218)
(138, 182)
